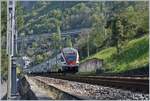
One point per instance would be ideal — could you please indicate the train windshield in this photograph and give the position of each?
(71, 57)
(70, 54)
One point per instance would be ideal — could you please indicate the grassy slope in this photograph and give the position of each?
(135, 55)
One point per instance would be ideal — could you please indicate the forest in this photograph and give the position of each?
(110, 23)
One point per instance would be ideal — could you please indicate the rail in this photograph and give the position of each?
(135, 84)
(56, 93)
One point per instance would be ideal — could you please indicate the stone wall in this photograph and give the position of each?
(91, 65)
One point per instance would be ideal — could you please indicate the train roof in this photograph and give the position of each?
(69, 48)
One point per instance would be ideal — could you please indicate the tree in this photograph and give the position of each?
(34, 45)
(117, 31)
(98, 34)
(39, 59)
(30, 52)
(4, 18)
(137, 20)
(3, 29)
(68, 42)
(55, 41)
(83, 43)
(56, 19)
(19, 16)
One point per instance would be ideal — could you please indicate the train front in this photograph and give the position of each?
(71, 57)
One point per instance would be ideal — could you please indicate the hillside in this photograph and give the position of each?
(134, 55)
(38, 16)
(107, 23)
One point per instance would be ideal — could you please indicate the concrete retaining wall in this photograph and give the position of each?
(24, 90)
(56, 93)
(91, 65)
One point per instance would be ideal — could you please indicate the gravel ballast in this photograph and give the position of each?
(94, 92)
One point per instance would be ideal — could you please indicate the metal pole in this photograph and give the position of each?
(10, 49)
(13, 59)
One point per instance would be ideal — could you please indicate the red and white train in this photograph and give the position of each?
(66, 61)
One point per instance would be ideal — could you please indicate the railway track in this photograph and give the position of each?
(135, 84)
(54, 92)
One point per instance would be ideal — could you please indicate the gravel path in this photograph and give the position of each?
(94, 91)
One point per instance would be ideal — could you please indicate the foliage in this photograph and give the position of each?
(134, 55)
(78, 14)
(3, 18)
(38, 59)
(56, 41)
(4, 57)
(19, 17)
(56, 17)
(68, 42)
(5, 63)
(117, 32)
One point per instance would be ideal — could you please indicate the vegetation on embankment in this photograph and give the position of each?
(134, 55)
(4, 64)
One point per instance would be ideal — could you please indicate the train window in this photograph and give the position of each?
(61, 58)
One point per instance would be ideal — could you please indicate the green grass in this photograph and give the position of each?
(104, 54)
(135, 54)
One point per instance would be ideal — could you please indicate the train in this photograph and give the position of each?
(67, 61)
